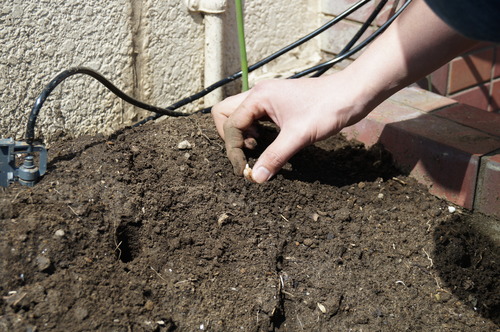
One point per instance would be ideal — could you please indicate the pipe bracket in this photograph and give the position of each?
(207, 6)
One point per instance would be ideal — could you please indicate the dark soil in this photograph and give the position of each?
(131, 233)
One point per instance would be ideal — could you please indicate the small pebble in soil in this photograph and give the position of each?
(451, 209)
(43, 263)
(361, 185)
(343, 214)
(81, 313)
(321, 307)
(59, 233)
(223, 219)
(184, 145)
(380, 196)
(149, 305)
(308, 242)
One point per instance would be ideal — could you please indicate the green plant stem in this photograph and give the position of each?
(241, 41)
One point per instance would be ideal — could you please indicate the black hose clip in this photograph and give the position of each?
(27, 173)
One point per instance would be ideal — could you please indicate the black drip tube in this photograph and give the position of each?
(30, 130)
(340, 57)
(170, 110)
(356, 37)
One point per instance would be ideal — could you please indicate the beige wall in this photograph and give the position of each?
(151, 49)
(41, 38)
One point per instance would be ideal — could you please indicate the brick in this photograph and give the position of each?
(439, 153)
(495, 97)
(337, 7)
(478, 96)
(389, 9)
(424, 83)
(496, 69)
(439, 80)
(472, 117)
(421, 99)
(334, 39)
(470, 70)
(368, 130)
(487, 199)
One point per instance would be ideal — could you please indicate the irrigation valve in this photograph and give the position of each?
(25, 171)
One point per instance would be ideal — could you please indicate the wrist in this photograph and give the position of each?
(363, 92)
(347, 99)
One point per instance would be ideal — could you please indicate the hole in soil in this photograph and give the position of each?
(495, 312)
(278, 318)
(127, 242)
(464, 261)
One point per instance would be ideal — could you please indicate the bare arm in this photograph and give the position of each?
(416, 44)
(312, 109)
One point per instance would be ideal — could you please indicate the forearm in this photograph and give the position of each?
(416, 44)
(312, 109)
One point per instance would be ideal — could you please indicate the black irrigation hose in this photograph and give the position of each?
(170, 110)
(340, 57)
(259, 64)
(356, 37)
(345, 53)
(30, 130)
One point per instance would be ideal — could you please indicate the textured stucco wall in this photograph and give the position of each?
(151, 49)
(174, 44)
(270, 26)
(41, 38)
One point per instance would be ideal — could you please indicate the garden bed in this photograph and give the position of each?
(134, 232)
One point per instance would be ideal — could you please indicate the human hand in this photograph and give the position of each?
(306, 110)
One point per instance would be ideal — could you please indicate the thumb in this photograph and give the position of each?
(276, 156)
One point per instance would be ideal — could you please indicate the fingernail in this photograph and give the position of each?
(261, 174)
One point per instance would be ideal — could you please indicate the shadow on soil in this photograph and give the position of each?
(329, 164)
(467, 261)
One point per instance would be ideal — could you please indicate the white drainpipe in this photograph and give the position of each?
(212, 10)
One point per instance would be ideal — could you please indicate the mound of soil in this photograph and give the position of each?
(142, 231)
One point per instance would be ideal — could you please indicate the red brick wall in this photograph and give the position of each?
(473, 78)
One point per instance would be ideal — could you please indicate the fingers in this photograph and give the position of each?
(236, 121)
(276, 156)
(250, 143)
(223, 110)
(236, 135)
(235, 142)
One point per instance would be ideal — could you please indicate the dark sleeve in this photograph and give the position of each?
(475, 19)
